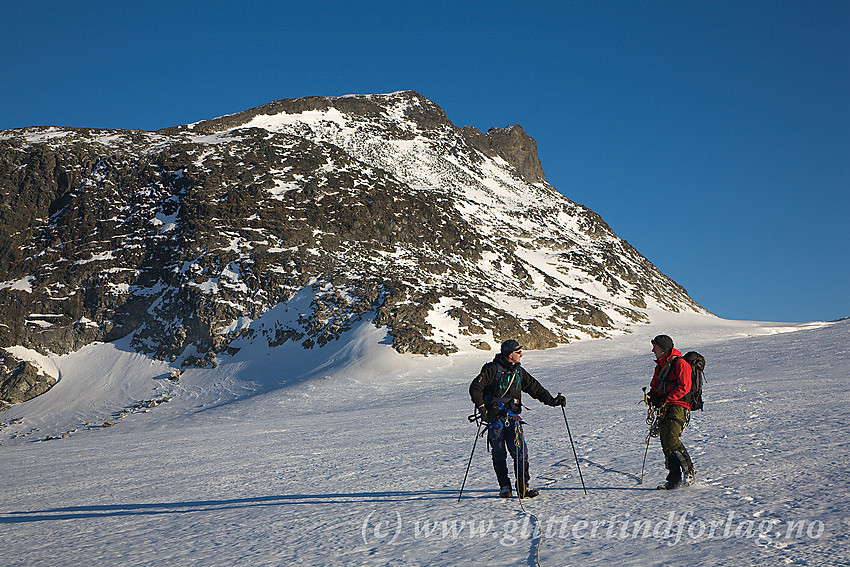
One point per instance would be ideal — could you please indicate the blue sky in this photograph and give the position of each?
(713, 136)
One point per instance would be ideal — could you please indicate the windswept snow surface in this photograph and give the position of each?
(356, 456)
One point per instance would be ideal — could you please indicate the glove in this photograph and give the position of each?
(655, 400)
(482, 413)
(559, 400)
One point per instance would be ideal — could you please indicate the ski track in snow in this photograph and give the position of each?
(262, 462)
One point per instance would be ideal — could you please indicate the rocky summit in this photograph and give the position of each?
(346, 209)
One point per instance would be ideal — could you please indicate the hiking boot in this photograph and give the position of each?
(689, 478)
(505, 492)
(669, 485)
(528, 493)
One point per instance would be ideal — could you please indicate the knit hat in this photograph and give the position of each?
(509, 347)
(664, 342)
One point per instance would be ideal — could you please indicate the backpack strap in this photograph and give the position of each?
(496, 392)
(513, 376)
(665, 372)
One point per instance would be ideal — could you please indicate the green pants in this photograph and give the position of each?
(670, 427)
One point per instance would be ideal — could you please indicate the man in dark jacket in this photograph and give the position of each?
(497, 395)
(671, 381)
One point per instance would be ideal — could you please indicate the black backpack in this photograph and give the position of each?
(697, 364)
(694, 397)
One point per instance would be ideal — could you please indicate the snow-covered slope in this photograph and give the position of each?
(356, 458)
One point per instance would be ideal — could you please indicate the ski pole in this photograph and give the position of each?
(651, 424)
(646, 442)
(477, 433)
(563, 411)
(645, 452)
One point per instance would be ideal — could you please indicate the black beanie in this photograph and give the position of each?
(510, 346)
(663, 341)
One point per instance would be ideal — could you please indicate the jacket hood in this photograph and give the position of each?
(673, 353)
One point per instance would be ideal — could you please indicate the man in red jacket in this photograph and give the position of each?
(671, 381)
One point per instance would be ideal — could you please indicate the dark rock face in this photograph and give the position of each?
(350, 209)
(21, 381)
(511, 144)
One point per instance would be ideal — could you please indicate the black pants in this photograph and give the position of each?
(505, 436)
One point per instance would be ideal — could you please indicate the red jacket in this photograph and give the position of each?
(677, 383)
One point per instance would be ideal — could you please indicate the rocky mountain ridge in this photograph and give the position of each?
(343, 208)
